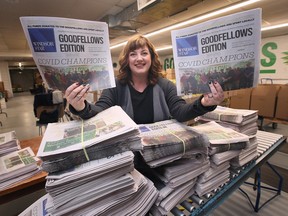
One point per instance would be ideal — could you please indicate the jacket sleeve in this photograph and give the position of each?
(107, 99)
(179, 109)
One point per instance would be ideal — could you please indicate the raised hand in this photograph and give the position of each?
(215, 97)
(76, 94)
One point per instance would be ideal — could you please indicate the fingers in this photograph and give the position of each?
(215, 97)
(82, 93)
(76, 94)
(70, 89)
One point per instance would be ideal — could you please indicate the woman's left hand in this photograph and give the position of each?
(215, 97)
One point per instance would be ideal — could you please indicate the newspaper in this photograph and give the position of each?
(38, 208)
(220, 135)
(17, 166)
(8, 143)
(70, 50)
(226, 114)
(16, 163)
(225, 49)
(78, 134)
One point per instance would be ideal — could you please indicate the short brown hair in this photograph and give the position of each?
(136, 42)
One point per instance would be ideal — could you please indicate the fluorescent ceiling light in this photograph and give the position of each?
(163, 48)
(274, 27)
(209, 15)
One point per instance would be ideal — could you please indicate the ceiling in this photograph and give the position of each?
(123, 18)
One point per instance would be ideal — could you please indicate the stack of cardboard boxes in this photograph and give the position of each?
(271, 100)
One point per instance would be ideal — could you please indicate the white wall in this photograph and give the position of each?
(274, 60)
(5, 77)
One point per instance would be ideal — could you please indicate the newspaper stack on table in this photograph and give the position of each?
(175, 182)
(167, 141)
(172, 198)
(67, 144)
(225, 144)
(107, 186)
(213, 178)
(8, 143)
(222, 139)
(231, 115)
(246, 155)
(17, 166)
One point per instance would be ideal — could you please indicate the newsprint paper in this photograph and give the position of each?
(70, 50)
(225, 49)
(75, 135)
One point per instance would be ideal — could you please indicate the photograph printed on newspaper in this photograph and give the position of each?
(225, 49)
(70, 50)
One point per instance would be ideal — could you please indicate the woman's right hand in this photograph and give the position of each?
(76, 94)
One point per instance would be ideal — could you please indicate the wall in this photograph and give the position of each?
(274, 60)
(5, 77)
(23, 79)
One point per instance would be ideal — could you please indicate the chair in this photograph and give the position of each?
(49, 114)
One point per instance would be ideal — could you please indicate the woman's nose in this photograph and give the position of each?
(139, 57)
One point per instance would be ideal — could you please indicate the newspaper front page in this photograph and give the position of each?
(70, 50)
(225, 49)
(76, 135)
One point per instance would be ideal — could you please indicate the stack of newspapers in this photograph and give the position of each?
(246, 155)
(225, 144)
(222, 140)
(176, 181)
(8, 143)
(213, 178)
(175, 155)
(107, 182)
(107, 186)
(17, 166)
(66, 144)
(166, 141)
(241, 120)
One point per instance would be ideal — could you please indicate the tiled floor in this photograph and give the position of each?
(21, 117)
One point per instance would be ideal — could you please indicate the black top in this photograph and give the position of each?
(142, 103)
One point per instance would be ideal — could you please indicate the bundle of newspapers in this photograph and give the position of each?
(67, 144)
(107, 186)
(175, 181)
(222, 139)
(8, 143)
(246, 155)
(231, 115)
(167, 141)
(215, 176)
(17, 166)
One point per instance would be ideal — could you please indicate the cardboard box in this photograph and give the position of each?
(282, 103)
(263, 99)
(241, 99)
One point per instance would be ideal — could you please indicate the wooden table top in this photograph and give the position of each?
(34, 143)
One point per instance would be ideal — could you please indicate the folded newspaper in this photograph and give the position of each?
(225, 114)
(67, 144)
(17, 166)
(218, 134)
(8, 143)
(166, 141)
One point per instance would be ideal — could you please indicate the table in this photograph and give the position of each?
(27, 186)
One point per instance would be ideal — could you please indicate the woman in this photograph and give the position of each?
(141, 93)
